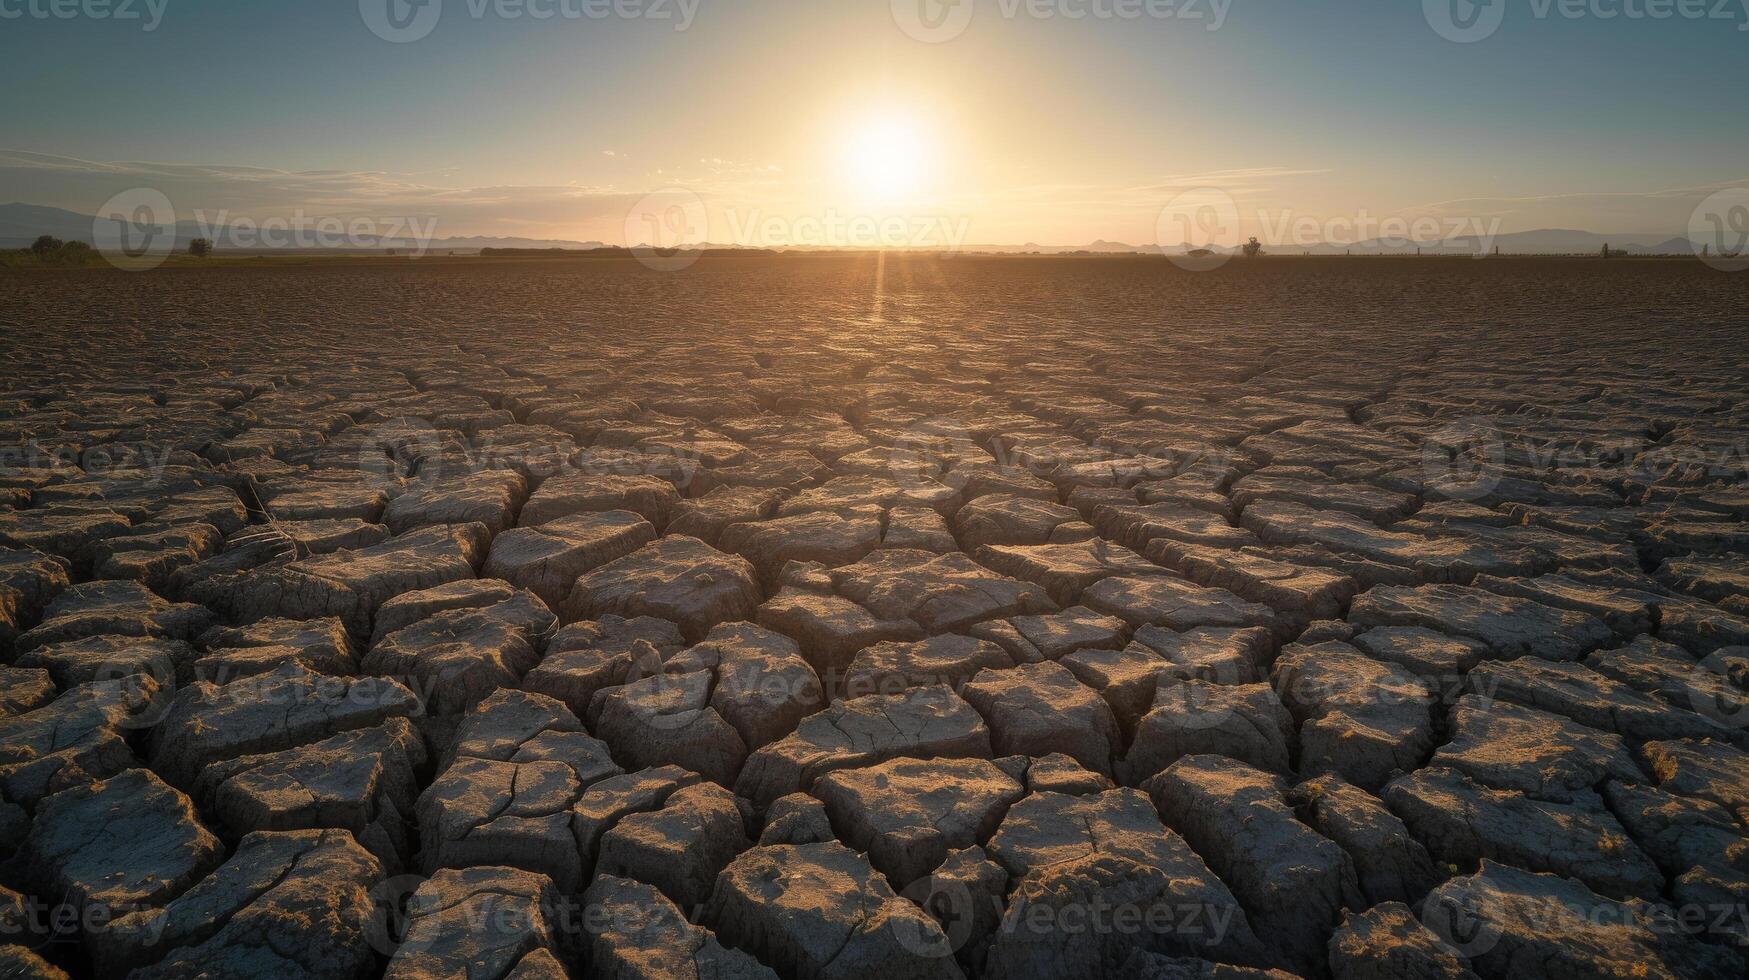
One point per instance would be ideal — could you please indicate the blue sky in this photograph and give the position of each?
(1042, 128)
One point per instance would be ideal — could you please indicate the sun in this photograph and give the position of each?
(887, 156)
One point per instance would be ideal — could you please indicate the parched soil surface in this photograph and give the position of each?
(876, 617)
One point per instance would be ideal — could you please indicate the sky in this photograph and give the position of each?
(916, 122)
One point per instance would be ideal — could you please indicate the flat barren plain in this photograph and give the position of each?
(849, 616)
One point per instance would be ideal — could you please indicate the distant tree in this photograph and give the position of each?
(45, 246)
(1253, 248)
(200, 248)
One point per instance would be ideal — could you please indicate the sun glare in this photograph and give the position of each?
(887, 156)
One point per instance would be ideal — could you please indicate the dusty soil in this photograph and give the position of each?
(853, 616)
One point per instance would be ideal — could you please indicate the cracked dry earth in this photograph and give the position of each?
(844, 617)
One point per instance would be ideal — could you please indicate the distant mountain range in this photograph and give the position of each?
(21, 224)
